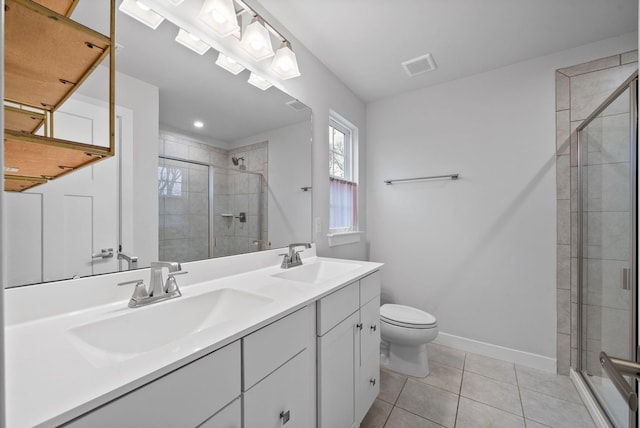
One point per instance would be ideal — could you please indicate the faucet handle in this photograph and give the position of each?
(171, 286)
(140, 292)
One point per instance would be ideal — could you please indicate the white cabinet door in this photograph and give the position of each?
(369, 382)
(282, 399)
(337, 360)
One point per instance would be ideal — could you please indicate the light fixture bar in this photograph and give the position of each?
(264, 22)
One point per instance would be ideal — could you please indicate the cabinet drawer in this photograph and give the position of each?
(183, 398)
(369, 287)
(272, 346)
(336, 307)
(229, 417)
(284, 398)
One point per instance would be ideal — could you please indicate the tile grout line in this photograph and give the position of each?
(524, 417)
(464, 363)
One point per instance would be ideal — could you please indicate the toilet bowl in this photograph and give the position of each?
(407, 330)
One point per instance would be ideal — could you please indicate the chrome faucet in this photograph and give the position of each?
(157, 291)
(132, 261)
(293, 257)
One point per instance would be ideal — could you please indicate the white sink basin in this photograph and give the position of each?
(140, 330)
(317, 273)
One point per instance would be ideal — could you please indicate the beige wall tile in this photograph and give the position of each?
(564, 221)
(588, 67)
(562, 92)
(629, 57)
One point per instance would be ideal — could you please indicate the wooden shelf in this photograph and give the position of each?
(47, 56)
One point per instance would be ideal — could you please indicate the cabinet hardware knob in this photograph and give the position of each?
(359, 326)
(374, 327)
(372, 382)
(285, 416)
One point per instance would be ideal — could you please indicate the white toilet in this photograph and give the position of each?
(407, 330)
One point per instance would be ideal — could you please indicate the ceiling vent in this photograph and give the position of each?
(297, 105)
(419, 65)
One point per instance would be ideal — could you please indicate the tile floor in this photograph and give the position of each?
(469, 390)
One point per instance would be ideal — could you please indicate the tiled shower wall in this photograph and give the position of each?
(182, 231)
(580, 89)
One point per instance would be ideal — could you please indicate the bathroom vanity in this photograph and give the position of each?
(248, 344)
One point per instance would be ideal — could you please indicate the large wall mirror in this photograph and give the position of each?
(239, 183)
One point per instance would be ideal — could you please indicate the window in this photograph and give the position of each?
(169, 181)
(343, 189)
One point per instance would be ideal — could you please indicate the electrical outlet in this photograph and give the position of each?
(318, 225)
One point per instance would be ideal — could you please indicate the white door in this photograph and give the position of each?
(55, 228)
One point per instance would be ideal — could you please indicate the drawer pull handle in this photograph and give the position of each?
(285, 416)
(374, 327)
(372, 382)
(359, 326)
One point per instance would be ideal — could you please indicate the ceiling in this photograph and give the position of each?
(363, 42)
(191, 86)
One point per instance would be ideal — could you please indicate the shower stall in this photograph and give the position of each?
(208, 211)
(607, 253)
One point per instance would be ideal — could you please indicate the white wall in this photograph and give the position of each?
(289, 207)
(480, 252)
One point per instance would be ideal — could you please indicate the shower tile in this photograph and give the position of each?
(563, 133)
(198, 203)
(588, 67)
(564, 311)
(629, 57)
(574, 144)
(564, 221)
(615, 331)
(615, 134)
(174, 148)
(589, 90)
(472, 414)
(443, 377)
(198, 225)
(491, 367)
(604, 280)
(254, 204)
(501, 395)
(555, 412)
(431, 403)
(198, 154)
(574, 279)
(241, 203)
(574, 234)
(563, 175)
(563, 272)
(562, 92)
(241, 229)
(563, 349)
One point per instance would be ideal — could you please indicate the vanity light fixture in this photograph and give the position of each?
(229, 64)
(192, 42)
(256, 40)
(198, 124)
(176, 2)
(259, 82)
(141, 13)
(284, 62)
(220, 16)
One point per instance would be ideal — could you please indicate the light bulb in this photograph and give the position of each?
(256, 44)
(231, 60)
(218, 16)
(143, 7)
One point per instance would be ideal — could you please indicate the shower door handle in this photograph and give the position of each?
(615, 368)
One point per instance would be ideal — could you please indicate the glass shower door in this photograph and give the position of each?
(606, 248)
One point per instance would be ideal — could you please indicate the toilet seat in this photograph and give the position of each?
(406, 316)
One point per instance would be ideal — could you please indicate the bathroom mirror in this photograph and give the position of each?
(244, 176)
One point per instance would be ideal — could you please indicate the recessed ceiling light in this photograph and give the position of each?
(198, 124)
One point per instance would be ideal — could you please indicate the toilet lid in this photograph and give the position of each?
(400, 314)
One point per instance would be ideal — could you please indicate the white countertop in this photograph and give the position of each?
(50, 380)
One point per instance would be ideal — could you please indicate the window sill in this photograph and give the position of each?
(344, 238)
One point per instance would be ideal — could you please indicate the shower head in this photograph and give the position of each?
(236, 160)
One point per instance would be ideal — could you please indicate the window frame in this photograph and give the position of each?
(350, 170)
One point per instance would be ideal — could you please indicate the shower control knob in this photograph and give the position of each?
(372, 382)
(374, 327)
(359, 326)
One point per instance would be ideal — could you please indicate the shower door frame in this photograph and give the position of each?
(630, 84)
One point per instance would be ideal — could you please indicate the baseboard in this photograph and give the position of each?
(590, 403)
(515, 356)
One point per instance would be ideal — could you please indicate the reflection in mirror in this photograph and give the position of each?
(235, 180)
